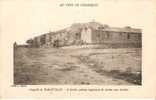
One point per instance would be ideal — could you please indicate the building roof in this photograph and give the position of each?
(116, 29)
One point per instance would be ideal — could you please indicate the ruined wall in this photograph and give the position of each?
(118, 38)
(36, 42)
(88, 36)
(99, 36)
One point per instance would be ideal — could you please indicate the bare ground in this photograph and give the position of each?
(41, 66)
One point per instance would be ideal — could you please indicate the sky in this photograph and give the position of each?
(24, 19)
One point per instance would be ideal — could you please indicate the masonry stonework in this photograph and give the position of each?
(126, 36)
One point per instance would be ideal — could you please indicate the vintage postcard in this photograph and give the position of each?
(77, 48)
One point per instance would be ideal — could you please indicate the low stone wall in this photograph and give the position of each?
(105, 45)
(120, 45)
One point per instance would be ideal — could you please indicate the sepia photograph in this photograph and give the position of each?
(89, 53)
(76, 48)
(78, 45)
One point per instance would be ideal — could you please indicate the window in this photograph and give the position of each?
(77, 35)
(120, 34)
(128, 36)
(107, 35)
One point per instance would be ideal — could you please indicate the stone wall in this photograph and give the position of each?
(88, 36)
(115, 37)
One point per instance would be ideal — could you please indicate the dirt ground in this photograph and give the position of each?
(81, 66)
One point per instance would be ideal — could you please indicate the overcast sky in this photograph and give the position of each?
(24, 19)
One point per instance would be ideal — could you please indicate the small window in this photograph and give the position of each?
(77, 35)
(98, 35)
(120, 34)
(128, 36)
(107, 35)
